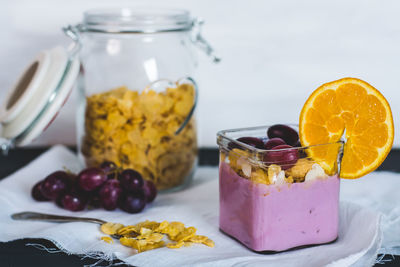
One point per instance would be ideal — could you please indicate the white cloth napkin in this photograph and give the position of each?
(358, 243)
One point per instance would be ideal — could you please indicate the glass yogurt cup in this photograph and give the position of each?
(278, 199)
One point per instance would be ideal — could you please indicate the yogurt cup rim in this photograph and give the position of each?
(222, 134)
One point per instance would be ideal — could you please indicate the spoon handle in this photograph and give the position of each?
(53, 218)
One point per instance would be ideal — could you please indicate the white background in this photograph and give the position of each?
(275, 53)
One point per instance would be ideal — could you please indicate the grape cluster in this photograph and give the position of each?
(106, 186)
(281, 138)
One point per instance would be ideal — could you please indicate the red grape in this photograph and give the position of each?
(286, 157)
(110, 194)
(150, 191)
(133, 202)
(91, 178)
(286, 133)
(248, 140)
(273, 142)
(36, 192)
(55, 185)
(131, 180)
(72, 178)
(73, 201)
(110, 168)
(95, 187)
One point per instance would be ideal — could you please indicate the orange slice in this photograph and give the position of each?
(355, 109)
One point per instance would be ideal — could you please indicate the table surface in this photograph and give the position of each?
(22, 253)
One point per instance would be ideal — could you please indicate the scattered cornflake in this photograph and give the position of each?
(111, 228)
(187, 244)
(186, 234)
(171, 229)
(198, 238)
(149, 235)
(146, 224)
(128, 241)
(140, 245)
(175, 245)
(209, 243)
(128, 230)
(162, 226)
(107, 239)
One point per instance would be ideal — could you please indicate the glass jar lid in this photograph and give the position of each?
(136, 20)
(38, 95)
(141, 21)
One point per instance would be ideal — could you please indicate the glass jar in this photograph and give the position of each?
(278, 199)
(136, 91)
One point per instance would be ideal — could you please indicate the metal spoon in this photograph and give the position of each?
(35, 216)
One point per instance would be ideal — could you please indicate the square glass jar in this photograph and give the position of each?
(279, 205)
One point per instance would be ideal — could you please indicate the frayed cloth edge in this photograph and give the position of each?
(96, 255)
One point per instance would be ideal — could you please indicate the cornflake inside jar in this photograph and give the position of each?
(137, 130)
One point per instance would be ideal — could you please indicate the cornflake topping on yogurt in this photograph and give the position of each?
(281, 163)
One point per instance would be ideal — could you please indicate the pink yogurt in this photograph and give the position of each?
(277, 218)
